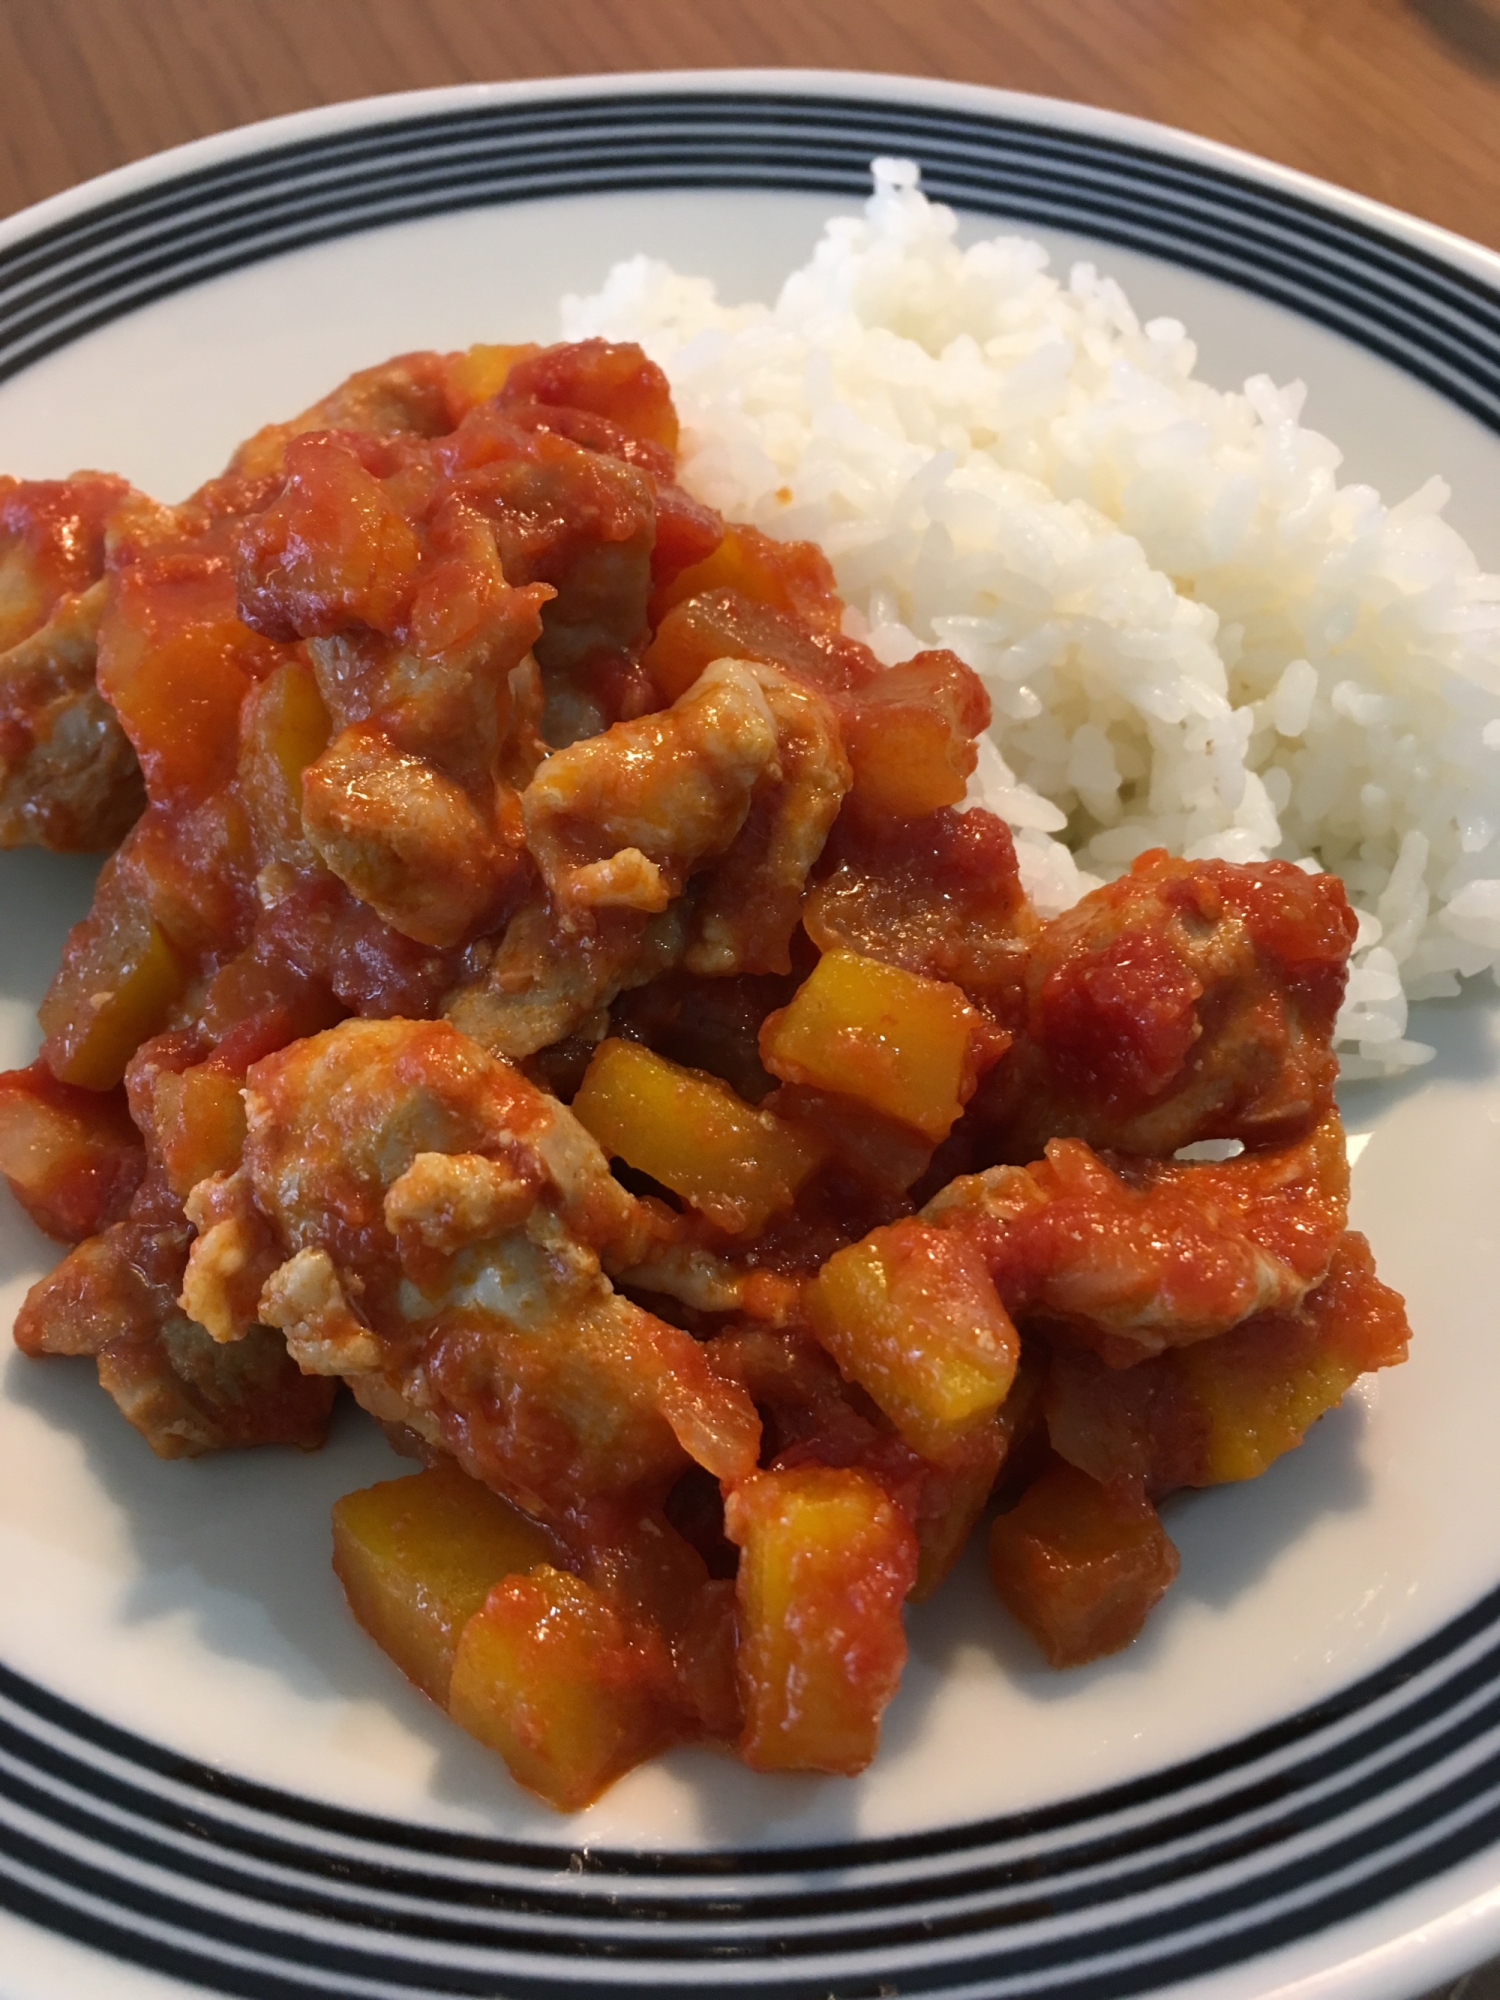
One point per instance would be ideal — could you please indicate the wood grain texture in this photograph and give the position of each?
(1399, 99)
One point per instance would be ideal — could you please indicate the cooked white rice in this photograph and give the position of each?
(1193, 636)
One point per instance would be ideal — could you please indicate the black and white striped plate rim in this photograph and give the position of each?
(170, 1865)
(188, 1870)
(1437, 321)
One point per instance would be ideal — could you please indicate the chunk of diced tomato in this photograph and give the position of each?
(175, 663)
(613, 379)
(940, 895)
(333, 551)
(687, 532)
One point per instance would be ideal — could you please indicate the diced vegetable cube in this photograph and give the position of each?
(117, 981)
(552, 1677)
(826, 1563)
(479, 373)
(1002, 1456)
(687, 532)
(909, 1046)
(1141, 1426)
(73, 1157)
(737, 1165)
(418, 1557)
(790, 576)
(1080, 1564)
(299, 722)
(198, 1116)
(175, 662)
(910, 736)
(694, 634)
(881, 1153)
(910, 1313)
(1264, 1384)
(723, 625)
(284, 728)
(953, 1498)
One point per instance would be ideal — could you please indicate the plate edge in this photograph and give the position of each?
(1045, 112)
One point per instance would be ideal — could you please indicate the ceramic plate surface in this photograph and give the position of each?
(1291, 1783)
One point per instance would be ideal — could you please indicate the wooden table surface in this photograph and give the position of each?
(1399, 99)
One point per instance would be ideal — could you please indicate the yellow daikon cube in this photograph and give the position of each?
(826, 1563)
(904, 1044)
(114, 989)
(691, 1132)
(550, 1675)
(910, 1313)
(418, 1556)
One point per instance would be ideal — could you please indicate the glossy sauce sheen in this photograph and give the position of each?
(551, 987)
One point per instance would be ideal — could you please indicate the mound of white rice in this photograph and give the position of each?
(1193, 636)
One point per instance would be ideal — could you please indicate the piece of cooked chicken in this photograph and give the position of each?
(620, 820)
(405, 396)
(416, 1217)
(418, 643)
(68, 775)
(749, 907)
(729, 794)
(1139, 1255)
(115, 1298)
(1189, 1000)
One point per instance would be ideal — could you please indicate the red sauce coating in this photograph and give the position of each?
(479, 760)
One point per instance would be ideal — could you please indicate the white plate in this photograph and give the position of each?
(1291, 1783)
